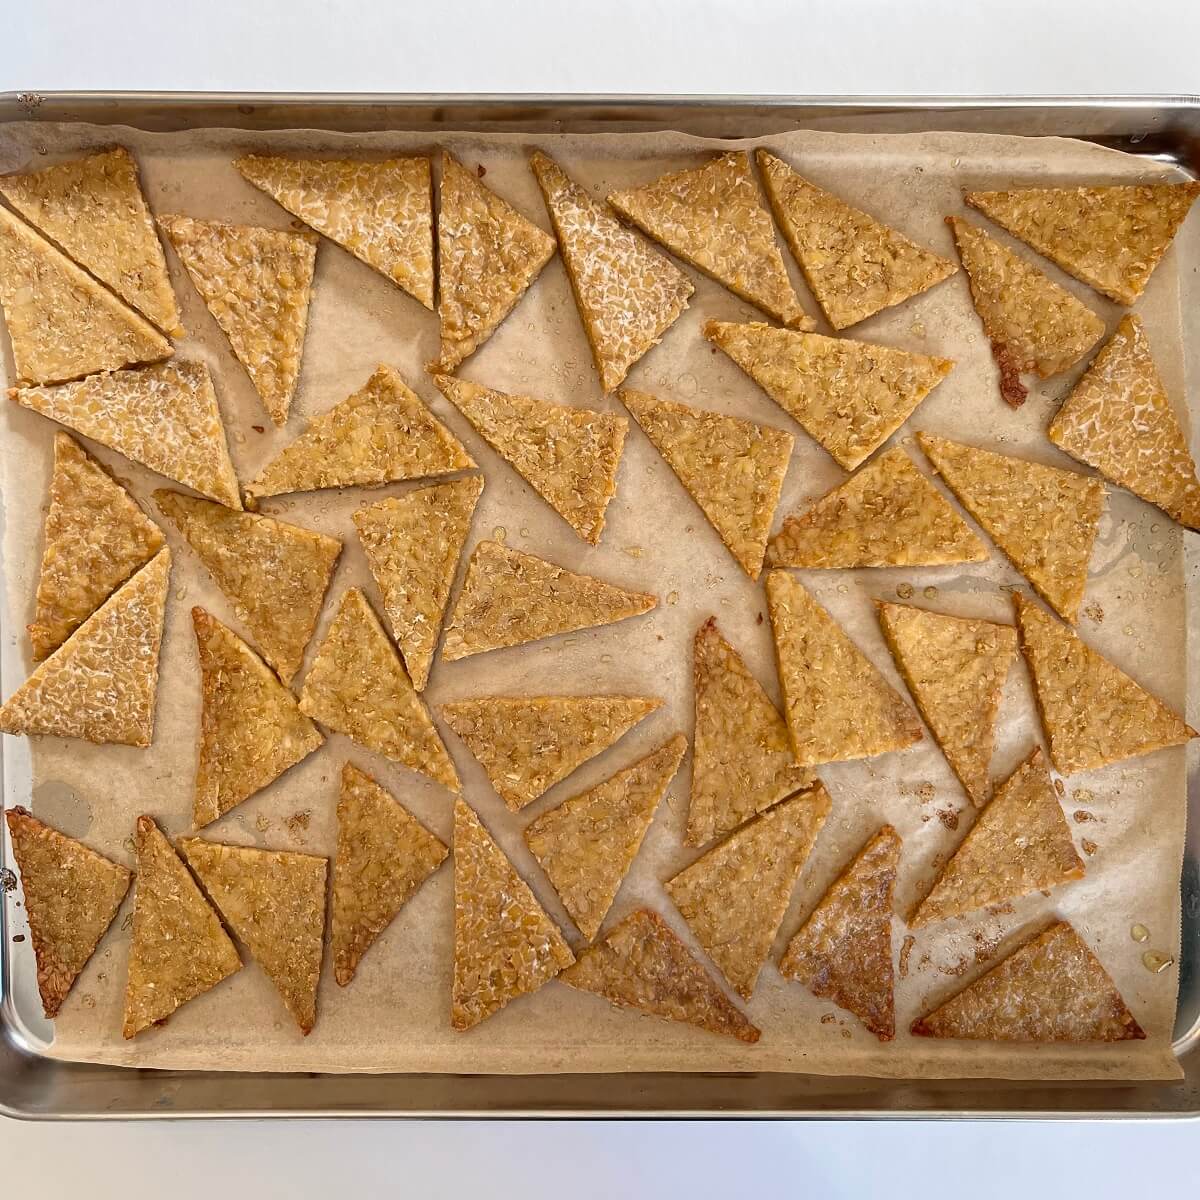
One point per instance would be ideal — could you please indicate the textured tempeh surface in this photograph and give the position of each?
(396, 1012)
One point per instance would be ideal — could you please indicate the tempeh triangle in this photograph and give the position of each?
(1093, 712)
(63, 324)
(101, 683)
(642, 964)
(509, 598)
(164, 417)
(274, 901)
(1051, 989)
(886, 515)
(488, 255)
(849, 396)
(71, 895)
(735, 897)
(569, 456)
(1021, 843)
(384, 854)
(251, 729)
(732, 468)
(843, 951)
(855, 265)
(713, 217)
(257, 284)
(413, 544)
(588, 843)
(96, 538)
(179, 948)
(93, 208)
(274, 575)
(1043, 518)
(742, 761)
(628, 295)
(381, 210)
(1031, 322)
(837, 705)
(1110, 237)
(380, 434)
(1119, 420)
(358, 686)
(527, 744)
(955, 668)
(505, 945)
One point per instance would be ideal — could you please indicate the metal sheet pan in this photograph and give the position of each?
(31, 1086)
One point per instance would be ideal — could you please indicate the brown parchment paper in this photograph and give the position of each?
(1128, 819)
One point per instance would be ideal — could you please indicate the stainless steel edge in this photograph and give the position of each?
(1085, 116)
(33, 1086)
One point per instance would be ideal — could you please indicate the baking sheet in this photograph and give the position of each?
(394, 1016)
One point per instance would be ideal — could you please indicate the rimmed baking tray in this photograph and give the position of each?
(33, 1086)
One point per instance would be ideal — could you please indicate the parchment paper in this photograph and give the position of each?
(394, 1017)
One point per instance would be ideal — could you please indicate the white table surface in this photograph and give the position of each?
(659, 46)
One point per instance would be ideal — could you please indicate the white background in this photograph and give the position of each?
(656, 46)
